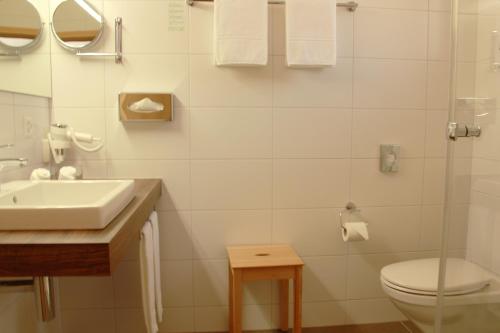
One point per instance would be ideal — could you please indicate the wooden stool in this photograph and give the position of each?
(273, 262)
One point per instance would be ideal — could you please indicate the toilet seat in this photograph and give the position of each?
(420, 277)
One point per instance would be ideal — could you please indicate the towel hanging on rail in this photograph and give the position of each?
(240, 32)
(311, 39)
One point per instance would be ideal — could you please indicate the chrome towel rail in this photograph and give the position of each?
(351, 5)
(42, 286)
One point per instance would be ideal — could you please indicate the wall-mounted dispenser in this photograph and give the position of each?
(62, 137)
(146, 107)
(389, 158)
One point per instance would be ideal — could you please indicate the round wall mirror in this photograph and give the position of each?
(20, 24)
(76, 24)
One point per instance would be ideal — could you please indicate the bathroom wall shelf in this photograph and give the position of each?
(351, 5)
(78, 253)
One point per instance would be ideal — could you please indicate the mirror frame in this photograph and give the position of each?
(35, 41)
(65, 45)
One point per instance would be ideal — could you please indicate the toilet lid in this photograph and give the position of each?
(421, 276)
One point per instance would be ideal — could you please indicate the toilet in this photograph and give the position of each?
(472, 294)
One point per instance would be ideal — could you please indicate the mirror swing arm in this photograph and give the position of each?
(15, 53)
(118, 54)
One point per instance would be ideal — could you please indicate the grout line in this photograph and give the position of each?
(190, 142)
(406, 327)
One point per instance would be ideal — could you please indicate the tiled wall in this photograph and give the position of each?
(484, 228)
(17, 311)
(260, 155)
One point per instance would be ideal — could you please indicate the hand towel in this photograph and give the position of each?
(156, 243)
(148, 278)
(311, 33)
(40, 174)
(240, 32)
(67, 173)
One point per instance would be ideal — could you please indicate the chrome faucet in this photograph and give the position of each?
(11, 162)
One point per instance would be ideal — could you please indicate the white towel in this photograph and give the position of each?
(67, 173)
(311, 33)
(148, 278)
(40, 174)
(156, 240)
(240, 32)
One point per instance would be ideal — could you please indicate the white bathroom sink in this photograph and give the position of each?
(62, 205)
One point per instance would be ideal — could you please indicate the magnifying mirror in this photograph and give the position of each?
(20, 24)
(76, 24)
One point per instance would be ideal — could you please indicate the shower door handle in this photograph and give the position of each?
(456, 131)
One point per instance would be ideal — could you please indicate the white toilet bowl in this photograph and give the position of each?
(472, 295)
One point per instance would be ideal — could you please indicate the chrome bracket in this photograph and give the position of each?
(456, 131)
(118, 54)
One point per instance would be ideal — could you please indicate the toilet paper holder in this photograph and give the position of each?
(350, 208)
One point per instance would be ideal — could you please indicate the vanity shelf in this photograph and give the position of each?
(78, 253)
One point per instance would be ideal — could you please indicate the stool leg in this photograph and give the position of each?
(297, 295)
(283, 285)
(231, 291)
(237, 300)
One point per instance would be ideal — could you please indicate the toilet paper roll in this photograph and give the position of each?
(355, 232)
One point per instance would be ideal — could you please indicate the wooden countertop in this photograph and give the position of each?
(82, 252)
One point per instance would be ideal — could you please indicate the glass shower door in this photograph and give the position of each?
(469, 281)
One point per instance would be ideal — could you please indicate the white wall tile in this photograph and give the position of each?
(181, 320)
(372, 311)
(318, 87)
(176, 235)
(402, 4)
(231, 184)
(370, 187)
(439, 36)
(7, 129)
(325, 278)
(157, 36)
(86, 292)
(440, 5)
(434, 181)
(213, 231)
(371, 128)
(431, 228)
(148, 140)
(177, 283)
(394, 34)
(127, 285)
(88, 320)
(77, 82)
(438, 81)
(211, 319)
(317, 314)
(312, 133)
(311, 232)
(392, 229)
(228, 86)
(311, 183)
(404, 85)
(150, 74)
(364, 273)
(174, 174)
(435, 139)
(231, 133)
